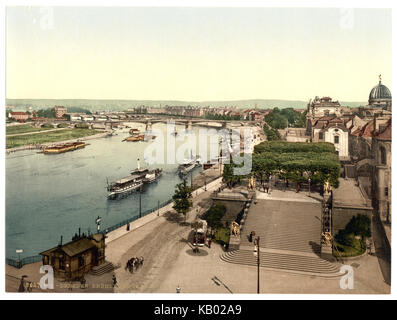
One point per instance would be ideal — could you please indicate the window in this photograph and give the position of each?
(321, 136)
(336, 139)
(382, 155)
(386, 192)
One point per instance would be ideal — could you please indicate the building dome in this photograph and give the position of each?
(379, 94)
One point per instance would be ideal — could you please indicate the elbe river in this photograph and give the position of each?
(52, 195)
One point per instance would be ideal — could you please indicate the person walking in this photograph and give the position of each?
(114, 281)
(209, 243)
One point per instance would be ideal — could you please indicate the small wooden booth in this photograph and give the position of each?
(76, 258)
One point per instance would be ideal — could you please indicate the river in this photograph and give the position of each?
(52, 195)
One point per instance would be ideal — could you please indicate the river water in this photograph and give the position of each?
(52, 195)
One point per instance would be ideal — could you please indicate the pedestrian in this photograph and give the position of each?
(128, 227)
(82, 283)
(114, 281)
(250, 237)
(209, 243)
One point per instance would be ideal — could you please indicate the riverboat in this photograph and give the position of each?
(188, 165)
(64, 147)
(124, 186)
(139, 137)
(152, 175)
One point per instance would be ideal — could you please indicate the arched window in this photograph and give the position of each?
(382, 155)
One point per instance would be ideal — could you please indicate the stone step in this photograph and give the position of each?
(288, 262)
(102, 269)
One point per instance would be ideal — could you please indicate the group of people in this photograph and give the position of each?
(134, 263)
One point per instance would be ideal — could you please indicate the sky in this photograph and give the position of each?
(196, 54)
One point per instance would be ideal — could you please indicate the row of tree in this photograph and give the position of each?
(283, 118)
(296, 162)
(222, 117)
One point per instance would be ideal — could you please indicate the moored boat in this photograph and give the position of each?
(124, 186)
(140, 137)
(152, 175)
(64, 147)
(188, 165)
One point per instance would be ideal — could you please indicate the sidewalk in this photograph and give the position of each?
(122, 231)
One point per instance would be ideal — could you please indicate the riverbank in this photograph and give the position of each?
(122, 231)
(159, 238)
(82, 137)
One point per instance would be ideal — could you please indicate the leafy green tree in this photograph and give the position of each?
(271, 134)
(359, 225)
(228, 174)
(182, 198)
(214, 216)
(46, 113)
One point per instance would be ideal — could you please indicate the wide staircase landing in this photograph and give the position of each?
(290, 238)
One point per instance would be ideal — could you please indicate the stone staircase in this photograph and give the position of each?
(290, 238)
(296, 263)
(102, 269)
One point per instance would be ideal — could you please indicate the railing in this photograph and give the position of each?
(33, 259)
(20, 263)
(127, 221)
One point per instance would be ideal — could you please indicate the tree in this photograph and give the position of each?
(228, 174)
(214, 216)
(182, 198)
(271, 134)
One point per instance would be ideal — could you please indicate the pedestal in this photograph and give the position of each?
(326, 253)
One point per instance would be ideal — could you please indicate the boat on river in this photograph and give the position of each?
(152, 175)
(133, 182)
(64, 147)
(140, 137)
(188, 165)
(124, 186)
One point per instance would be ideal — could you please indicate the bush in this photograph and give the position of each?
(47, 125)
(222, 236)
(62, 125)
(345, 240)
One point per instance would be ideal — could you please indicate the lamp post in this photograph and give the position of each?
(309, 185)
(140, 201)
(257, 254)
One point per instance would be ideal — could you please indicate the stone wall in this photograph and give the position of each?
(233, 208)
(341, 216)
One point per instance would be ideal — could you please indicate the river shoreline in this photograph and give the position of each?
(41, 145)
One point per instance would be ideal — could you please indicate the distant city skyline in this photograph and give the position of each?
(196, 54)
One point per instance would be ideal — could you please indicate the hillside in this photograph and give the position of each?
(118, 105)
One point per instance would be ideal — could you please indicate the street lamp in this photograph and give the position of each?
(257, 254)
(309, 185)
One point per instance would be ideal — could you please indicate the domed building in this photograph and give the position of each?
(379, 102)
(380, 96)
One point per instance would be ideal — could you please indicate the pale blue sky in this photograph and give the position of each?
(196, 53)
